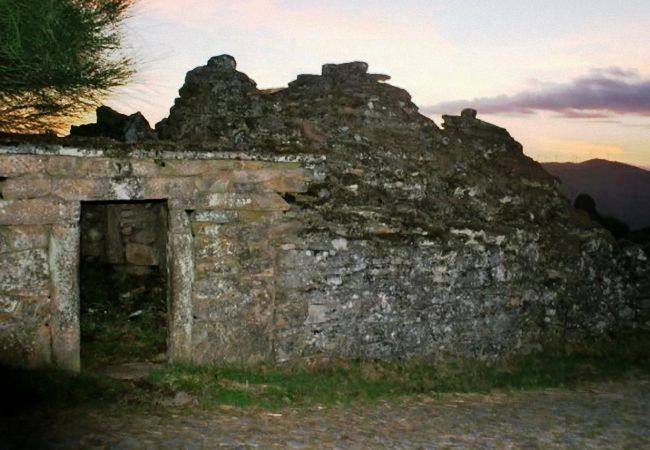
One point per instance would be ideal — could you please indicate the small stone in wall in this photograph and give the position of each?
(141, 255)
(147, 236)
(8, 305)
(340, 244)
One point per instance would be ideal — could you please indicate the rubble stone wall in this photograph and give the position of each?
(415, 240)
(258, 271)
(325, 219)
(132, 234)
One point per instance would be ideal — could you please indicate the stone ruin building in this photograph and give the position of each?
(326, 219)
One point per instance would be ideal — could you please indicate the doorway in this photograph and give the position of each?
(123, 282)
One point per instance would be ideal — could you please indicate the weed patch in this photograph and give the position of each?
(334, 382)
(344, 382)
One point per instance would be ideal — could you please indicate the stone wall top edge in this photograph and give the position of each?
(142, 153)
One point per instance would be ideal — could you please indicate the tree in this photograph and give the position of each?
(58, 59)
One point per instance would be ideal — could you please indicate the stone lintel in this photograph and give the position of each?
(82, 189)
(168, 187)
(129, 188)
(234, 201)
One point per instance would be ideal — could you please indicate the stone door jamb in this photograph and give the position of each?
(64, 258)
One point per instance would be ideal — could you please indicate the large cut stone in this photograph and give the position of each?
(13, 165)
(24, 272)
(234, 201)
(189, 167)
(129, 188)
(82, 189)
(22, 237)
(64, 270)
(20, 188)
(38, 211)
(168, 187)
(263, 180)
(181, 281)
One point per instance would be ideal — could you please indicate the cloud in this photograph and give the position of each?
(614, 72)
(603, 93)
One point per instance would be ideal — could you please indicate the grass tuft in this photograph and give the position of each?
(344, 382)
(334, 382)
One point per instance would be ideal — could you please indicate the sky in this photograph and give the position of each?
(569, 79)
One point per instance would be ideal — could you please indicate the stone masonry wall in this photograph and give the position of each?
(128, 234)
(224, 217)
(260, 271)
(414, 240)
(326, 219)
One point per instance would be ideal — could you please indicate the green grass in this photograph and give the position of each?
(345, 382)
(334, 382)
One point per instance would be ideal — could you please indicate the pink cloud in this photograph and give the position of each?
(602, 93)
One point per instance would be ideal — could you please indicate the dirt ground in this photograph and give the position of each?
(605, 416)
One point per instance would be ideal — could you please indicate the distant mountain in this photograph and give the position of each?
(620, 190)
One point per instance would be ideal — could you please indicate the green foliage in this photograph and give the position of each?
(345, 382)
(340, 382)
(58, 59)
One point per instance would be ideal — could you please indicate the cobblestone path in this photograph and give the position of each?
(608, 416)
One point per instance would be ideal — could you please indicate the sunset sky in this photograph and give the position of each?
(569, 79)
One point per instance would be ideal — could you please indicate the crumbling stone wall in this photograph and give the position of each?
(328, 219)
(415, 240)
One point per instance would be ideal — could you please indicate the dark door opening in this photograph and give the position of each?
(123, 282)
